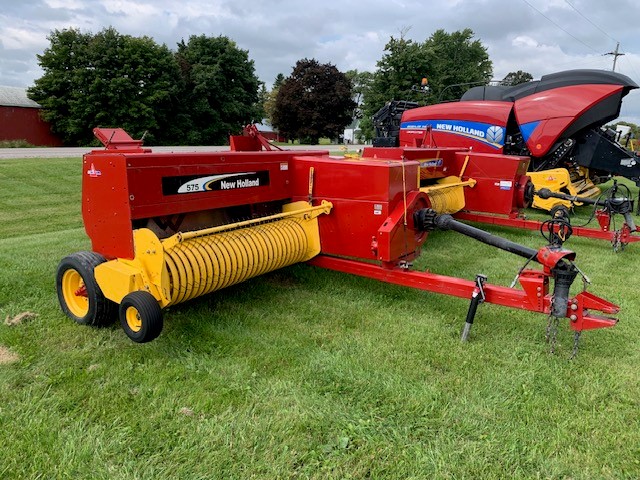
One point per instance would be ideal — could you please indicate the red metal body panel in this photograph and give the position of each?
(561, 108)
(121, 187)
(435, 162)
(24, 123)
(397, 238)
(498, 178)
(364, 193)
(105, 204)
(414, 124)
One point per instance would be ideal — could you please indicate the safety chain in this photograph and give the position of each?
(551, 337)
(551, 333)
(576, 342)
(616, 242)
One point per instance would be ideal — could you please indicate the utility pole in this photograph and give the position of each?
(615, 54)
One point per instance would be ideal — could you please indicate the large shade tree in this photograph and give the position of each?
(314, 101)
(106, 79)
(451, 63)
(221, 89)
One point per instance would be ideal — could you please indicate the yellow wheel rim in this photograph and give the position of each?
(133, 319)
(78, 305)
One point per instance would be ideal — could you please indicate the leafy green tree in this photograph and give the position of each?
(315, 101)
(261, 106)
(400, 69)
(457, 63)
(451, 63)
(361, 84)
(516, 78)
(278, 81)
(220, 89)
(270, 99)
(106, 80)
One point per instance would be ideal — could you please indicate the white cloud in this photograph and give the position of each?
(65, 4)
(524, 41)
(17, 38)
(348, 33)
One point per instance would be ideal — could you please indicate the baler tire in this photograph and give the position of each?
(75, 272)
(140, 316)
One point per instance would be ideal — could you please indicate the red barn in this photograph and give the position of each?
(269, 132)
(20, 119)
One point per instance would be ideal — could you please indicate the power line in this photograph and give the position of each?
(565, 31)
(630, 63)
(588, 20)
(583, 62)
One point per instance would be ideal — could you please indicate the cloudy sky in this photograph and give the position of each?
(538, 36)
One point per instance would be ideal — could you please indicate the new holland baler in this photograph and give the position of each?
(557, 121)
(169, 227)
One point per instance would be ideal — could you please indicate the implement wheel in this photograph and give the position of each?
(79, 295)
(140, 316)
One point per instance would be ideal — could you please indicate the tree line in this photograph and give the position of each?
(194, 95)
(207, 88)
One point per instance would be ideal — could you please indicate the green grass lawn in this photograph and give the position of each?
(305, 373)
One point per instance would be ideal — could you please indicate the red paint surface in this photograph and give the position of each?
(22, 123)
(556, 110)
(493, 113)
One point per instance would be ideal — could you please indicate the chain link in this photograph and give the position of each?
(576, 344)
(617, 242)
(551, 334)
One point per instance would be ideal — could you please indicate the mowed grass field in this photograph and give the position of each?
(305, 373)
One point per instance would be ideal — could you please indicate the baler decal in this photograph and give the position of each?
(93, 173)
(204, 183)
(492, 135)
(528, 128)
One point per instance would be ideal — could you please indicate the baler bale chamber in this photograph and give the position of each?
(166, 228)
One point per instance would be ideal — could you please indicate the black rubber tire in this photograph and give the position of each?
(149, 314)
(101, 311)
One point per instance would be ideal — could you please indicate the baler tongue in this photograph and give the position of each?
(557, 263)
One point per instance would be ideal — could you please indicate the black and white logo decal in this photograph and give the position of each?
(205, 183)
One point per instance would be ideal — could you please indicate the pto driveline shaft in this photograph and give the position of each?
(447, 222)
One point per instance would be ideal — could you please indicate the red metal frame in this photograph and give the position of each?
(534, 297)
(519, 222)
